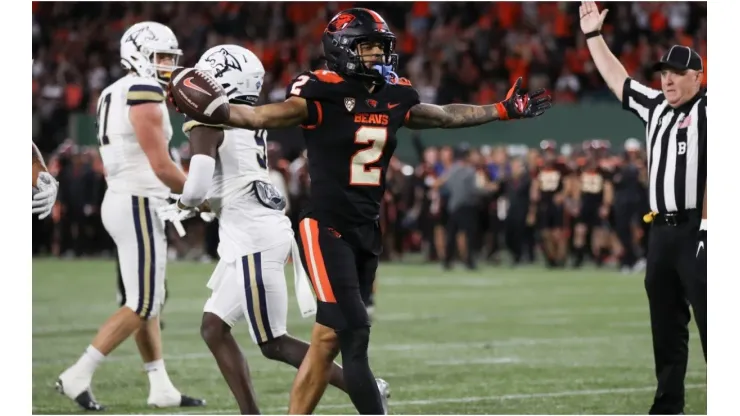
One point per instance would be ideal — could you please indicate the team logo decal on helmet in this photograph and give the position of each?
(223, 61)
(140, 36)
(340, 22)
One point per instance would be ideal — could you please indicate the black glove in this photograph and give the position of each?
(701, 245)
(517, 105)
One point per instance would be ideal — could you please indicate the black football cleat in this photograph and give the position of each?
(84, 399)
(187, 401)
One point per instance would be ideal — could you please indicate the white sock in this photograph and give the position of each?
(159, 380)
(89, 361)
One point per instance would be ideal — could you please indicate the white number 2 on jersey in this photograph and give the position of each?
(301, 81)
(359, 173)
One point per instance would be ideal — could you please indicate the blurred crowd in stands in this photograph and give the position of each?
(452, 52)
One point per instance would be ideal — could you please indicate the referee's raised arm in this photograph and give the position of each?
(634, 96)
(608, 65)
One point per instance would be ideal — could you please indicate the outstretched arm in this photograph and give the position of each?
(289, 113)
(451, 116)
(454, 116)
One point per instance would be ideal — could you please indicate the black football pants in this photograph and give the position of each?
(673, 283)
(342, 265)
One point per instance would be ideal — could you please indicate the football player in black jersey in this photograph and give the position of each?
(350, 113)
(595, 195)
(550, 185)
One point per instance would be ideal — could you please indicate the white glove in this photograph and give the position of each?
(176, 215)
(42, 201)
(173, 212)
(207, 216)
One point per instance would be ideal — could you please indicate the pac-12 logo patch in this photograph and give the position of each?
(349, 103)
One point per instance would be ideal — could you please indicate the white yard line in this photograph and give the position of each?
(250, 352)
(471, 361)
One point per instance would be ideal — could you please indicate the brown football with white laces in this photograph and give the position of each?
(199, 96)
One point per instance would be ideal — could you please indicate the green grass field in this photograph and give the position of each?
(525, 341)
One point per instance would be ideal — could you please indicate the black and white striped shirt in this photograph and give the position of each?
(676, 142)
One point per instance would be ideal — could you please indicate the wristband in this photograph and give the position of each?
(503, 115)
(593, 34)
(703, 224)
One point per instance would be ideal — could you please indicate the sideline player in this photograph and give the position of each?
(133, 132)
(43, 184)
(350, 114)
(596, 195)
(229, 167)
(551, 184)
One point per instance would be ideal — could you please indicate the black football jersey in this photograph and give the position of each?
(551, 180)
(592, 183)
(350, 137)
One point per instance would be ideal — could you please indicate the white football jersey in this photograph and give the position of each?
(241, 160)
(245, 225)
(127, 167)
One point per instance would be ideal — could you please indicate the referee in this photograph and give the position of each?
(676, 140)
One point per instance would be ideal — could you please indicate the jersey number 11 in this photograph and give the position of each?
(103, 127)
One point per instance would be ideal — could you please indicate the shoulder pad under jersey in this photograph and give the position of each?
(189, 124)
(315, 85)
(144, 90)
(407, 92)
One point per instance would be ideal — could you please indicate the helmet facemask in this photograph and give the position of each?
(381, 70)
(163, 71)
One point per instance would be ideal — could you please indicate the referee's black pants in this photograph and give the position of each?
(672, 282)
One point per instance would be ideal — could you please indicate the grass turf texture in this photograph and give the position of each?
(499, 340)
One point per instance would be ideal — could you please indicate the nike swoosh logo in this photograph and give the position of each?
(392, 106)
(701, 246)
(188, 83)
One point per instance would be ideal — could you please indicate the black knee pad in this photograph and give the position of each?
(354, 342)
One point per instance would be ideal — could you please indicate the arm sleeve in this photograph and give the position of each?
(199, 180)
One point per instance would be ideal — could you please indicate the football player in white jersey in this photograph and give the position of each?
(229, 169)
(133, 132)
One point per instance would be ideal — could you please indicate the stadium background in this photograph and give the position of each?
(497, 340)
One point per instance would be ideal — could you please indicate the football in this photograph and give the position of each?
(199, 96)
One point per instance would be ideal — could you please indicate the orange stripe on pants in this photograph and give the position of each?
(309, 229)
